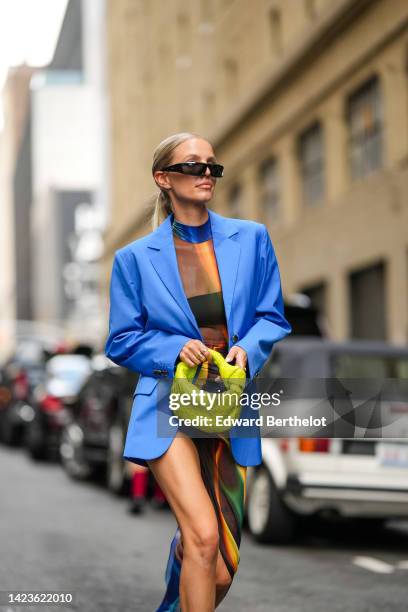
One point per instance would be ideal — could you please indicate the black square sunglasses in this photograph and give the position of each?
(196, 169)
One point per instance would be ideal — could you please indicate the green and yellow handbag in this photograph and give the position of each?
(215, 407)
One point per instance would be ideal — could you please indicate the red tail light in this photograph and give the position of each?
(49, 403)
(313, 445)
(284, 444)
(20, 385)
(61, 348)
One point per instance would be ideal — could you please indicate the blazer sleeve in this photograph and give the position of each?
(128, 344)
(270, 322)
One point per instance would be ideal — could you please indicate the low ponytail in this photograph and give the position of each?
(161, 208)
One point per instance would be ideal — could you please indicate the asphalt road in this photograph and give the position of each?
(60, 535)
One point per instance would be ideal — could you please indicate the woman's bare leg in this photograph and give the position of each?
(223, 577)
(223, 581)
(179, 475)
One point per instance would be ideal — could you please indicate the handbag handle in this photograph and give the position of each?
(234, 379)
(226, 370)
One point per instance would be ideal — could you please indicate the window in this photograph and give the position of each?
(209, 104)
(235, 201)
(184, 32)
(367, 292)
(365, 124)
(310, 152)
(318, 300)
(206, 11)
(310, 8)
(231, 76)
(275, 31)
(270, 190)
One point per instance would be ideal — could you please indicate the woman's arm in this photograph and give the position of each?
(270, 323)
(128, 344)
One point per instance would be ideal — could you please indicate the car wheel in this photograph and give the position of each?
(116, 477)
(34, 442)
(10, 434)
(269, 520)
(71, 453)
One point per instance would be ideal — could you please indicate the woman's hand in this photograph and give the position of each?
(194, 352)
(240, 356)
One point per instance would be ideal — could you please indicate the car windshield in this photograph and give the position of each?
(71, 368)
(70, 375)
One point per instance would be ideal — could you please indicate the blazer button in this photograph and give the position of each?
(235, 337)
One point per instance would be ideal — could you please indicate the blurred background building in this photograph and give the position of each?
(15, 137)
(58, 180)
(306, 104)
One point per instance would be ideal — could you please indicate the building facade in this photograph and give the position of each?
(306, 104)
(15, 167)
(68, 162)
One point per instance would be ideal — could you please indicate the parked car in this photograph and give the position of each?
(22, 372)
(5, 396)
(304, 318)
(303, 477)
(92, 440)
(52, 401)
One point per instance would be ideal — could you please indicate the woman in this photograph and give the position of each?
(198, 281)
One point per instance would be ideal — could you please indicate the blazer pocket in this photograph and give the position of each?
(146, 385)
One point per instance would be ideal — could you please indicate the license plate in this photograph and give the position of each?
(392, 454)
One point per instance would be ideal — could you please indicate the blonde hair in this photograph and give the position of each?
(162, 157)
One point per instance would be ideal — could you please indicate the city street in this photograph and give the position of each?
(212, 194)
(57, 534)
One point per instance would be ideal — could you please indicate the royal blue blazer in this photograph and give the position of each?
(150, 320)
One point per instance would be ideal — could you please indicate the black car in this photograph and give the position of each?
(21, 374)
(52, 401)
(5, 396)
(92, 441)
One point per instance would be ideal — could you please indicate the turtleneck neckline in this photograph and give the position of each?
(192, 233)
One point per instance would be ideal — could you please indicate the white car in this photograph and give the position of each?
(365, 478)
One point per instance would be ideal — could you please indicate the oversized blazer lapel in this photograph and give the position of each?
(162, 254)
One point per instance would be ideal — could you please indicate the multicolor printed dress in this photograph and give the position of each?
(224, 478)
